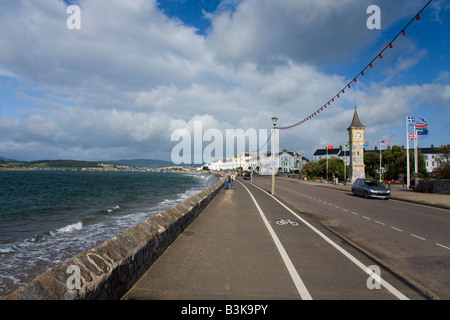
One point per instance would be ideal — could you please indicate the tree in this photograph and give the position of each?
(390, 160)
(311, 170)
(372, 162)
(443, 171)
(335, 168)
(395, 161)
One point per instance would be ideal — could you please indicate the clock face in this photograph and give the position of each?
(358, 136)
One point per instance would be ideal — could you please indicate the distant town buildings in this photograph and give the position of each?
(285, 161)
(292, 161)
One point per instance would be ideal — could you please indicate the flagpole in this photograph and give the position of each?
(407, 155)
(416, 162)
(327, 163)
(345, 161)
(380, 160)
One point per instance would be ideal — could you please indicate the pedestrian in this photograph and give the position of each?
(232, 177)
(226, 176)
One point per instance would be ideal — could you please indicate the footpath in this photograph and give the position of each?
(225, 254)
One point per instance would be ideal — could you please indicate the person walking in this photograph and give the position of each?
(232, 178)
(227, 177)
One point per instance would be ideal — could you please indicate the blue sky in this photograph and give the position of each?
(138, 70)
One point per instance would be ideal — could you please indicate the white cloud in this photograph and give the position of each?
(123, 83)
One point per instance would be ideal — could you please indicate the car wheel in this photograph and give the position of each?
(354, 192)
(366, 195)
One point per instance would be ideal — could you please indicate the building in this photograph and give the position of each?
(285, 162)
(332, 153)
(356, 141)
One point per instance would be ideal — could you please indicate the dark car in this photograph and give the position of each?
(246, 176)
(370, 188)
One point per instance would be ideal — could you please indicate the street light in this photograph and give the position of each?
(274, 122)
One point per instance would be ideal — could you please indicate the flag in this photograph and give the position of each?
(423, 132)
(384, 143)
(347, 145)
(366, 144)
(417, 120)
(412, 136)
(329, 147)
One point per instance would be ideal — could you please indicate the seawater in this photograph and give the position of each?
(46, 217)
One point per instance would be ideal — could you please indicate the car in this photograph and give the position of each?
(247, 176)
(370, 188)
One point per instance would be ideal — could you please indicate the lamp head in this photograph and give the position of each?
(274, 121)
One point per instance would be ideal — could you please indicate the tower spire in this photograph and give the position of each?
(356, 123)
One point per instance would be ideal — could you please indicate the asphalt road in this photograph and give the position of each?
(411, 240)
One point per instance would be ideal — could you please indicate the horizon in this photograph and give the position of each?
(117, 79)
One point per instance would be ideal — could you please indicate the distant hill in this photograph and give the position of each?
(9, 160)
(150, 163)
(75, 164)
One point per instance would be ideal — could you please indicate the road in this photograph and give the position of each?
(236, 250)
(412, 240)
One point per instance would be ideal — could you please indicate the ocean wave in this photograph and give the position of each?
(113, 209)
(70, 228)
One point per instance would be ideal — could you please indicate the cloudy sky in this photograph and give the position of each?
(138, 70)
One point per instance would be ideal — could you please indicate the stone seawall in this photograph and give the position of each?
(109, 270)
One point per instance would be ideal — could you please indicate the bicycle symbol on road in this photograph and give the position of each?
(284, 222)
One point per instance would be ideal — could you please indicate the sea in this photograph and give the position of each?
(47, 217)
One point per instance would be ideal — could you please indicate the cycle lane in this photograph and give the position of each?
(329, 267)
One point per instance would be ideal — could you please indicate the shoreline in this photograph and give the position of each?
(110, 268)
(21, 263)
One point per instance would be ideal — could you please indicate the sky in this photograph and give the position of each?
(136, 71)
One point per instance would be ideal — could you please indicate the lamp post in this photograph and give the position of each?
(274, 122)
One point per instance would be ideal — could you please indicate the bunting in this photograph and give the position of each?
(369, 66)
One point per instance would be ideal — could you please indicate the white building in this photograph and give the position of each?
(284, 162)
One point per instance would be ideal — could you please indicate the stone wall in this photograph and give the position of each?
(109, 270)
(433, 186)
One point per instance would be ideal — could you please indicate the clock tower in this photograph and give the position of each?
(356, 141)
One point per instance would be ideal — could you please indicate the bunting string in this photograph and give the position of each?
(361, 73)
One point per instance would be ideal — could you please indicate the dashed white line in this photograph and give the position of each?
(379, 222)
(416, 236)
(441, 245)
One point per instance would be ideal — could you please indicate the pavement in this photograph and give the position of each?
(234, 250)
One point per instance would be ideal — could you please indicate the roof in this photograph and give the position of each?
(356, 123)
(322, 152)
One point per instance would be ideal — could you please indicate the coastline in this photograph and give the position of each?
(108, 270)
(26, 259)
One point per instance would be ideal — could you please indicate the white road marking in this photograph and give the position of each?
(367, 270)
(301, 288)
(416, 236)
(441, 245)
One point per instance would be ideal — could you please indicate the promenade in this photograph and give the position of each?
(235, 250)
